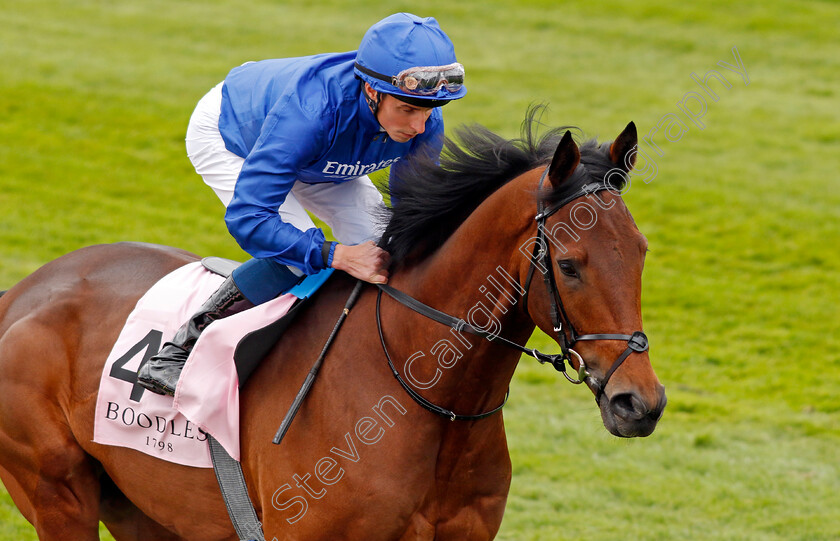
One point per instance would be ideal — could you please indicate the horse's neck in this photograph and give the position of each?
(473, 276)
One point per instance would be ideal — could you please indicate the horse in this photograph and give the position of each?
(363, 459)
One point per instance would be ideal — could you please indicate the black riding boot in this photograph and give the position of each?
(161, 372)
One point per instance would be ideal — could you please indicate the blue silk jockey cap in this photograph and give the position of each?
(403, 41)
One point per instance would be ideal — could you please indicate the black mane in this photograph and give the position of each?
(436, 198)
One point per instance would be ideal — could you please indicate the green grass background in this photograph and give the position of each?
(740, 289)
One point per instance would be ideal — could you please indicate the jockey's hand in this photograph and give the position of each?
(366, 261)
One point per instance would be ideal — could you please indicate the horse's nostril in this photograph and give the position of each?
(628, 406)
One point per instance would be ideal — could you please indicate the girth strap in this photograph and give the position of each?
(235, 493)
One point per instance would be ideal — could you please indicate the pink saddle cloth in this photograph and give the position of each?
(207, 397)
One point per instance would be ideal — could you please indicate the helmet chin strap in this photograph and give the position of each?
(374, 107)
(373, 104)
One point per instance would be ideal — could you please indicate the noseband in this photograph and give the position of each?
(636, 343)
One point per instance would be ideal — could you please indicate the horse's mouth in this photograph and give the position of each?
(626, 415)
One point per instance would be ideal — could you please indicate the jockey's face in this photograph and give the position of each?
(400, 120)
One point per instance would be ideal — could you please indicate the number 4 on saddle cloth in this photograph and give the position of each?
(207, 397)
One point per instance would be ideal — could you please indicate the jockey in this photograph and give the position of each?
(279, 137)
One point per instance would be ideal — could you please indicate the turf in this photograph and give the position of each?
(740, 288)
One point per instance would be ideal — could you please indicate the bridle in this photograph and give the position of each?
(636, 343)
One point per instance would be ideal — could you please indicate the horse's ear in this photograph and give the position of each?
(566, 159)
(623, 149)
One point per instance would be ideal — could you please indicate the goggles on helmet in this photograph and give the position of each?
(423, 81)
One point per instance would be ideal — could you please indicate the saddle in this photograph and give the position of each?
(254, 346)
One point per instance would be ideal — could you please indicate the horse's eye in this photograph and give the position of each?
(568, 268)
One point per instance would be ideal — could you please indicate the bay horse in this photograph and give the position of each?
(362, 460)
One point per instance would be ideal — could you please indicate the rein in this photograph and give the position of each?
(446, 319)
(636, 343)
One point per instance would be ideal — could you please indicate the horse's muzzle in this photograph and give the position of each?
(627, 415)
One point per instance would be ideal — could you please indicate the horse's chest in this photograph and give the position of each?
(466, 501)
(451, 520)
